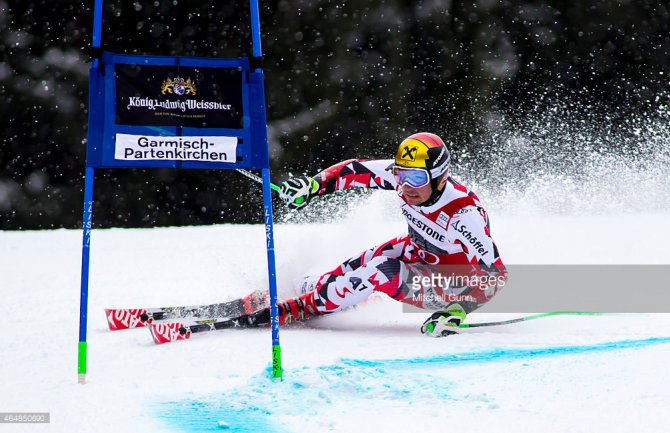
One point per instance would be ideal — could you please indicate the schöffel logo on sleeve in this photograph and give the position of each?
(470, 237)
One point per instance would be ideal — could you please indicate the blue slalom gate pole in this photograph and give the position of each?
(88, 209)
(272, 274)
(255, 28)
(97, 23)
(85, 256)
(267, 211)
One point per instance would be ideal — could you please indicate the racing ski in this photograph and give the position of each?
(127, 318)
(182, 330)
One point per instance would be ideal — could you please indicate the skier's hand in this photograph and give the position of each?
(296, 192)
(441, 324)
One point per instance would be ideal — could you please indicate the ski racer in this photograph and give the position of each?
(447, 262)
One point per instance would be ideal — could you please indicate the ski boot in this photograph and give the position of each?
(291, 310)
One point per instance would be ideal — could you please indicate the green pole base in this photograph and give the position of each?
(81, 362)
(277, 371)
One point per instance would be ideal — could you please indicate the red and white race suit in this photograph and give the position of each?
(448, 255)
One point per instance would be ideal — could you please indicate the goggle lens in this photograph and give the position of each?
(414, 177)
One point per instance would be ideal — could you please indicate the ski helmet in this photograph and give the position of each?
(428, 152)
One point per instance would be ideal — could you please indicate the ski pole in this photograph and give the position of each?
(257, 179)
(532, 317)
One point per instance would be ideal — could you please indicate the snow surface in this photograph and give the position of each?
(367, 369)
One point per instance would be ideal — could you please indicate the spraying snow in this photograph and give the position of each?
(543, 193)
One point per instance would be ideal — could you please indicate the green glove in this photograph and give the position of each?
(443, 323)
(297, 192)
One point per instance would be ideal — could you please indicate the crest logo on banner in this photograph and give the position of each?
(178, 86)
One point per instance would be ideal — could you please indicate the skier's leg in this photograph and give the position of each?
(394, 248)
(413, 283)
(388, 268)
(424, 286)
(349, 283)
(338, 291)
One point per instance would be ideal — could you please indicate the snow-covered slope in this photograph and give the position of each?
(360, 370)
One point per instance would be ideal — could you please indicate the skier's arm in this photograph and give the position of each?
(469, 227)
(356, 173)
(298, 191)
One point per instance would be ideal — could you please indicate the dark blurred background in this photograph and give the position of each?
(343, 80)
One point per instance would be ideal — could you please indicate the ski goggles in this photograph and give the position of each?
(414, 177)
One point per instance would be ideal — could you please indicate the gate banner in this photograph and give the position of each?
(195, 97)
(184, 148)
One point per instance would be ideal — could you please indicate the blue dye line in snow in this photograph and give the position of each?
(213, 416)
(498, 355)
(255, 406)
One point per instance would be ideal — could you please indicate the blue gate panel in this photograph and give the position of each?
(178, 112)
